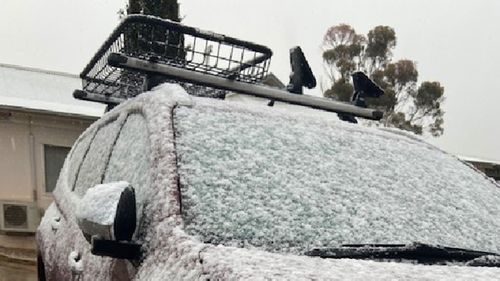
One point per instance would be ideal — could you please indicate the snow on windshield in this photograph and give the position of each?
(291, 182)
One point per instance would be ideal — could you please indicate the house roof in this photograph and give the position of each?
(273, 81)
(36, 90)
(479, 160)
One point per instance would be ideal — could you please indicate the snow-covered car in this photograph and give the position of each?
(167, 186)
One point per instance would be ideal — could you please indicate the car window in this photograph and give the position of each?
(129, 159)
(286, 182)
(94, 163)
(53, 160)
(77, 154)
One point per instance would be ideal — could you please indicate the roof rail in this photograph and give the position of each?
(257, 90)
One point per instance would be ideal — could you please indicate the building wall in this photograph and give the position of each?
(15, 172)
(22, 139)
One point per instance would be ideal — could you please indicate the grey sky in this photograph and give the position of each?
(454, 42)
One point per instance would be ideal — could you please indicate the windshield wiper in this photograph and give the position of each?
(419, 252)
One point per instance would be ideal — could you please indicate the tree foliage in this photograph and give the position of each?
(166, 9)
(407, 105)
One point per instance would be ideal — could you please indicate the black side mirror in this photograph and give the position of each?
(107, 218)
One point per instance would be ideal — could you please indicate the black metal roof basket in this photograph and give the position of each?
(169, 43)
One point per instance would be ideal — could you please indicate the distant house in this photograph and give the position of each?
(273, 81)
(39, 122)
(490, 168)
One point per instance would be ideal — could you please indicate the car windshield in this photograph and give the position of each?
(290, 182)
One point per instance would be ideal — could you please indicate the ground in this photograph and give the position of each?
(17, 272)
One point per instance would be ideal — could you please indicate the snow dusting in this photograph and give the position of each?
(75, 262)
(130, 159)
(288, 183)
(227, 263)
(100, 202)
(274, 182)
(96, 159)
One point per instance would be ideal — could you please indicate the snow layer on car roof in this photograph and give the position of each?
(289, 182)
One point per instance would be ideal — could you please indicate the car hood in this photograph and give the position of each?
(233, 263)
(174, 255)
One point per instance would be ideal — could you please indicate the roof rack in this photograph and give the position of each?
(143, 49)
(170, 43)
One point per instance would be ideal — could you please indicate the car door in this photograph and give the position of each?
(76, 261)
(130, 161)
(120, 151)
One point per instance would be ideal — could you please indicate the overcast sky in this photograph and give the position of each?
(454, 42)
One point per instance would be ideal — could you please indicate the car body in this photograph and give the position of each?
(228, 190)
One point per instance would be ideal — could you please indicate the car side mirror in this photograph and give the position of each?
(106, 216)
